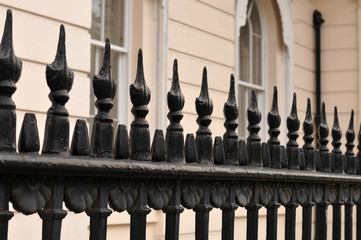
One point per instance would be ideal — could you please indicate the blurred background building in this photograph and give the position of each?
(265, 43)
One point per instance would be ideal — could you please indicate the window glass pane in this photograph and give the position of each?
(257, 60)
(114, 10)
(244, 60)
(113, 27)
(243, 105)
(255, 19)
(95, 30)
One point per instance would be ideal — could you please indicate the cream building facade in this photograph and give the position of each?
(265, 43)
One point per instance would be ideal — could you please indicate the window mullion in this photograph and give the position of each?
(102, 28)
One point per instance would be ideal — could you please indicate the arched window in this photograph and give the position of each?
(251, 64)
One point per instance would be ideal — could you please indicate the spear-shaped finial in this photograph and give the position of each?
(58, 75)
(308, 148)
(254, 141)
(323, 130)
(60, 80)
(10, 70)
(293, 124)
(350, 156)
(336, 143)
(308, 127)
(139, 91)
(174, 135)
(104, 89)
(230, 109)
(336, 133)
(175, 97)
(139, 132)
(323, 133)
(10, 65)
(204, 105)
(230, 138)
(204, 108)
(274, 121)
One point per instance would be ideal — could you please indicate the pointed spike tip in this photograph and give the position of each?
(7, 39)
(274, 108)
(254, 99)
(204, 77)
(350, 126)
(231, 93)
(308, 110)
(175, 71)
(294, 106)
(61, 43)
(323, 114)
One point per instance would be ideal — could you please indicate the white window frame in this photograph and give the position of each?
(261, 90)
(122, 79)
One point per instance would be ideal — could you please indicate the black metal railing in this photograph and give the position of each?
(130, 174)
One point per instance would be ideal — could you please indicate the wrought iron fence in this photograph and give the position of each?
(170, 174)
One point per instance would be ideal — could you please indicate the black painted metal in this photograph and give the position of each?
(254, 150)
(308, 148)
(139, 132)
(104, 89)
(274, 122)
(174, 136)
(202, 213)
(230, 138)
(317, 22)
(60, 80)
(173, 211)
(204, 108)
(293, 124)
(272, 212)
(171, 174)
(228, 214)
(10, 70)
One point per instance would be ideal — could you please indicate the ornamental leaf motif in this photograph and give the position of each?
(302, 193)
(30, 194)
(332, 193)
(192, 193)
(285, 193)
(79, 194)
(122, 194)
(317, 193)
(265, 194)
(356, 193)
(243, 193)
(219, 193)
(159, 193)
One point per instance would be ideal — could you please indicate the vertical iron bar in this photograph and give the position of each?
(252, 221)
(336, 220)
(358, 222)
(99, 213)
(53, 212)
(173, 211)
(5, 214)
(348, 220)
(272, 212)
(321, 222)
(228, 215)
(202, 214)
(138, 214)
(290, 229)
(306, 221)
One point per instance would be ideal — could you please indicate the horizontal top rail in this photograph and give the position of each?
(55, 165)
